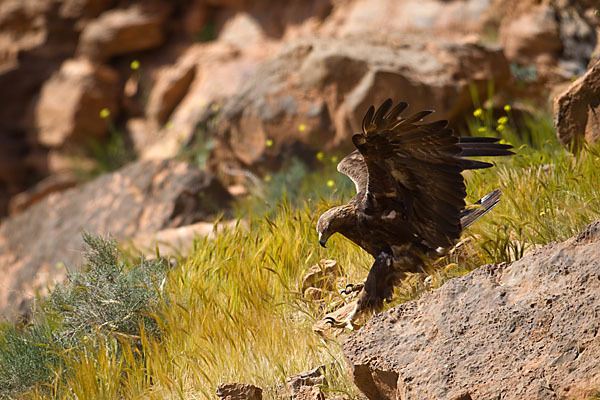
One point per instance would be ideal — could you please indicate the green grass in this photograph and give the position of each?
(233, 310)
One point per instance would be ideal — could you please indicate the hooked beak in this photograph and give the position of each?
(322, 240)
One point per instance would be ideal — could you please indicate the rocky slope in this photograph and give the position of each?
(527, 330)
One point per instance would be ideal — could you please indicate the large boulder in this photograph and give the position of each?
(122, 31)
(446, 19)
(549, 34)
(70, 103)
(316, 92)
(577, 110)
(142, 198)
(525, 330)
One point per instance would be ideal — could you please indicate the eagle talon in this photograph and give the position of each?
(351, 288)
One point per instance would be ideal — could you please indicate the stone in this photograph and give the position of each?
(220, 71)
(321, 276)
(140, 199)
(172, 84)
(297, 383)
(525, 330)
(180, 240)
(314, 94)
(70, 103)
(310, 393)
(577, 110)
(122, 31)
(50, 184)
(533, 34)
(441, 19)
(239, 391)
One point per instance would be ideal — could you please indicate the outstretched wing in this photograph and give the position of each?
(415, 168)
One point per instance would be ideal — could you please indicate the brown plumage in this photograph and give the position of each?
(410, 195)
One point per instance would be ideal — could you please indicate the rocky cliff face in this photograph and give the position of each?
(64, 61)
(526, 330)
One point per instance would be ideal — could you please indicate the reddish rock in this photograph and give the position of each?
(577, 110)
(84, 8)
(70, 103)
(180, 240)
(220, 70)
(142, 198)
(440, 19)
(239, 391)
(122, 31)
(531, 35)
(309, 393)
(172, 83)
(50, 184)
(301, 386)
(527, 330)
(321, 276)
(316, 91)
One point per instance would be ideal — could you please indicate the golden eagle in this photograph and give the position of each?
(410, 196)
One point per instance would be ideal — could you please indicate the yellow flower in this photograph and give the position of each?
(334, 159)
(302, 127)
(482, 129)
(320, 156)
(478, 113)
(104, 113)
(135, 65)
(330, 183)
(268, 178)
(502, 120)
(507, 108)
(269, 142)
(542, 213)
(500, 128)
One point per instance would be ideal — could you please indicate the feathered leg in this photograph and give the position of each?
(377, 288)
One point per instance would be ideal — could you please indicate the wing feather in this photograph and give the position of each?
(415, 168)
(354, 167)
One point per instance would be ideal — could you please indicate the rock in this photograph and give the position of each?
(440, 19)
(70, 103)
(533, 34)
(309, 393)
(577, 110)
(238, 391)
(316, 92)
(84, 8)
(321, 276)
(297, 384)
(50, 184)
(180, 240)
(142, 198)
(122, 31)
(578, 39)
(220, 71)
(550, 35)
(527, 330)
(171, 86)
(34, 41)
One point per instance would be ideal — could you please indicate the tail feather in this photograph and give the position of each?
(480, 147)
(483, 206)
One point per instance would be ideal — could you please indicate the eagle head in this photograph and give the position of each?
(332, 221)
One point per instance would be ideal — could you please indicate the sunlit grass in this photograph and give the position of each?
(233, 311)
